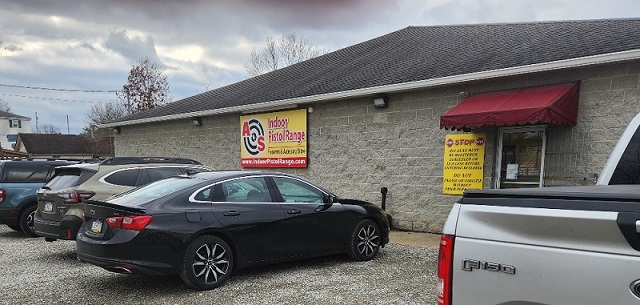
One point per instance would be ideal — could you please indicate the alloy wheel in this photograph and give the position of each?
(210, 263)
(368, 240)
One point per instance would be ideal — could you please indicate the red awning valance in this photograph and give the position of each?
(555, 104)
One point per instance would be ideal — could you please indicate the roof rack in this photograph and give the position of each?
(144, 160)
(46, 159)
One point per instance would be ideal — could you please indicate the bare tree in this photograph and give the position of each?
(286, 51)
(102, 113)
(146, 87)
(48, 129)
(4, 106)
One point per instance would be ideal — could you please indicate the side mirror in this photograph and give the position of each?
(329, 199)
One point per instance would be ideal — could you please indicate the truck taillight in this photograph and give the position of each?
(445, 269)
(3, 195)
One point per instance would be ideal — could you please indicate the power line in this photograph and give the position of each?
(48, 98)
(58, 89)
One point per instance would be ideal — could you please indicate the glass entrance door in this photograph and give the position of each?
(520, 159)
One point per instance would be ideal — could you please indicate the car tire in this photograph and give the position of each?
(207, 263)
(26, 220)
(365, 241)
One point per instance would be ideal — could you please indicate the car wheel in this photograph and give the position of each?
(26, 220)
(207, 263)
(14, 227)
(365, 241)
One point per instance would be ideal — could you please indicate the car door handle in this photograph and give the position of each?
(294, 211)
(231, 213)
(638, 226)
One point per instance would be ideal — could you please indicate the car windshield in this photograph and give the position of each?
(144, 194)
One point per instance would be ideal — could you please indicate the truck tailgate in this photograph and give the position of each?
(525, 255)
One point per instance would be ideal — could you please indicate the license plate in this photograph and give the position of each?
(48, 207)
(96, 226)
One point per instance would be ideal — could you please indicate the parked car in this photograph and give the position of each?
(59, 213)
(19, 181)
(204, 226)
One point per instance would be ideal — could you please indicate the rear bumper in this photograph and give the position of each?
(125, 254)
(124, 266)
(65, 229)
(9, 216)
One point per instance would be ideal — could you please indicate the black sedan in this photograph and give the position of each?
(206, 225)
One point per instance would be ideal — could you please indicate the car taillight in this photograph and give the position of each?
(3, 195)
(75, 197)
(445, 269)
(136, 223)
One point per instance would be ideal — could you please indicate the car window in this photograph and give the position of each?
(126, 177)
(64, 179)
(158, 173)
(25, 173)
(212, 193)
(246, 190)
(628, 169)
(293, 190)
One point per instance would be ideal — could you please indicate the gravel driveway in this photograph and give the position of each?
(36, 272)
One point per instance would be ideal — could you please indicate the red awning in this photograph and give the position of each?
(555, 104)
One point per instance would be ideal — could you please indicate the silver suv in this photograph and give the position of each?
(59, 214)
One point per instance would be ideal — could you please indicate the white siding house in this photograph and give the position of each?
(10, 125)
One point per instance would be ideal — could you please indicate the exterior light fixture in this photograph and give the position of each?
(197, 122)
(380, 102)
(116, 130)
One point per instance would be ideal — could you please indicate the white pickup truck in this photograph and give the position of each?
(551, 245)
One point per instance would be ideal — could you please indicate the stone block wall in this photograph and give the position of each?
(355, 148)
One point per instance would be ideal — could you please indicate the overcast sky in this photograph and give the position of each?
(91, 45)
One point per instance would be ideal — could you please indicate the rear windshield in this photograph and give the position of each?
(141, 195)
(68, 177)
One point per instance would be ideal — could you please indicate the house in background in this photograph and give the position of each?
(64, 146)
(10, 126)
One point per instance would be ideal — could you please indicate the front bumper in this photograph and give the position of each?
(65, 229)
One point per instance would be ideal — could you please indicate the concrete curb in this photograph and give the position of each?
(416, 239)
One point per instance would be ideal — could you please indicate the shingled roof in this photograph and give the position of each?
(4, 114)
(65, 144)
(410, 55)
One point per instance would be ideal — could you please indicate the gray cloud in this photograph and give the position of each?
(91, 44)
(132, 48)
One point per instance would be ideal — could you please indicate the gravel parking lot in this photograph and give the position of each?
(37, 272)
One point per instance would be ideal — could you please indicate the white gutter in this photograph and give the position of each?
(541, 67)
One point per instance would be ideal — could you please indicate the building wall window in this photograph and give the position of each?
(12, 138)
(521, 153)
(15, 123)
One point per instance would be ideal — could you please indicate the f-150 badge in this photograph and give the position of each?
(471, 264)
